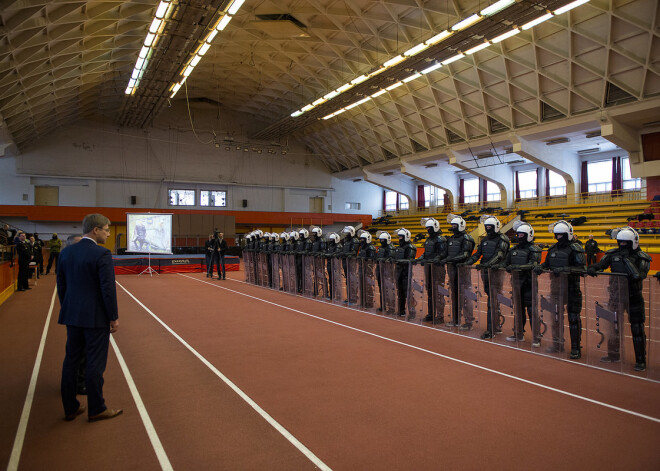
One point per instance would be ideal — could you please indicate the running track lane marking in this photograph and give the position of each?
(275, 424)
(463, 362)
(146, 420)
(27, 406)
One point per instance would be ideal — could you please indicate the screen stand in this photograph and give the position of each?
(149, 270)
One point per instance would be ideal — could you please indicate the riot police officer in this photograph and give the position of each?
(318, 244)
(385, 252)
(522, 259)
(300, 250)
(459, 248)
(403, 253)
(566, 257)
(628, 259)
(435, 249)
(275, 248)
(492, 251)
(332, 250)
(349, 246)
(365, 250)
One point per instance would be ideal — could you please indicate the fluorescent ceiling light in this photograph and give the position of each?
(327, 117)
(144, 52)
(340, 111)
(535, 22)
(453, 59)
(411, 78)
(432, 68)
(477, 48)
(331, 95)
(570, 6)
(296, 114)
(210, 37)
(202, 50)
(344, 87)
(393, 86)
(393, 61)
(139, 63)
(223, 22)
(437, 38)
(318, 102)
(135, 74)
(307, 107)
(495, 7)
(351, 106)
(378, 93)
(416, 50)
(502, 37)
(188, 71)
(364, 100)
(131, 83)
(466, 22)
(360, 79)
(377, 71)
(148, 41)
(235, 6)
(195, 60)
(162, 9)
(155, 24)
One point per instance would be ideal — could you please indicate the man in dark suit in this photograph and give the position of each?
(88, 299)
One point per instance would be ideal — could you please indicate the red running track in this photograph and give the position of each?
(356, 391)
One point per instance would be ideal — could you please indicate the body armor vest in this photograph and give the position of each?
(520, 255)
(300, 246)
(317, 245)
(558, 257)
(489, 247)
(348, 246)
(430, 247)
(384, 252)
(400, 251)
(618, 265)
(455, 245)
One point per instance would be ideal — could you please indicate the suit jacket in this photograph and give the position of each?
(86, 286)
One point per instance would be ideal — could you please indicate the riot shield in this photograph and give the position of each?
(388, 293)
(308, 276)
(265, 275)
(472, 304)
(442, 296)
(292, 282)
(338, 285)
(506, 308)
(258, 275)
(320, 278)
(417, 295)
(284, 266)
(652, 329)
(606, 298)
(247, 266)
(276, 276)
(353, 285)
(370, 289)
(550, 295)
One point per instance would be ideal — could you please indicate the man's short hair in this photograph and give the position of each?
(71, 239)
(94, 220)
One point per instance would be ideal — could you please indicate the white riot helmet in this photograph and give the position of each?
(248, 237)
(405, 233)
(455, 219)
(294, 235)
(304, 233)
(561, 227)
(488, 220)
(349, 230)
(431, 222)
(384, 235)
(626, 233)
(285, 236)
(524, 227)
(275, 237)
(317, 230)
(267, 235)
(366, 236)
(334, 236)
(259, 233)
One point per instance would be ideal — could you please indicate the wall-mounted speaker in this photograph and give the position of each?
(245, 203)
(133, 200)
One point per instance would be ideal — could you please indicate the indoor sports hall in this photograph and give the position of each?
(329, 234)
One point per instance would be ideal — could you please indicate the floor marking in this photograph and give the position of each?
(165, 464)
(29, 398)
(500, 373)
(276, 425)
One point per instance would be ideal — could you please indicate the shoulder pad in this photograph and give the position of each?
(611, 251)
(504, 237)
(644, 256)
(468, 237)
(577, 247)
(535, 248)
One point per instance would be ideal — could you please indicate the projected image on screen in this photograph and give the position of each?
(149, 233)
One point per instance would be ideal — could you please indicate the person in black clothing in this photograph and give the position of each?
(300, 250)
(208, 253)
(403, 254)
(628, 260)
(565, 257)
(39, 254)
(435, 249)
(459, 248)
(35, 249)
(521, 260)
(591, 249)
(218, 255)
(385, 252)
(492, 250)
(333, 249)
(25, 256)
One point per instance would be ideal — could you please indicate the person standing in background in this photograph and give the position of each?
(55, 246)
(24, 251)
(591, 249)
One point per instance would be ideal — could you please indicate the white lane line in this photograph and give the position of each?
(457, 360)
(29, 398)
(275, 424)
(146, 420)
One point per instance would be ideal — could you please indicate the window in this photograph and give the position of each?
(352, 206)
(433, 196)
(427, 196)
(599, 174)
(471, 190)
(629, 183)
(557, 184)
(527, 184)
(403, 202)
(493, 192)
(390, 200)
(212, 198)
(439, 197)
(182, 197)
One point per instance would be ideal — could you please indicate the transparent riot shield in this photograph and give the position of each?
(353, 282)
(652, 329)
(320, 278)
(258, 275)
(370, 288)
(276, 282)
(284, 267)
(292, 283)
(265, 276)
(417, 300)
(247, 266)
(472, 303)
(441, 299)
(388, 293)
(338, 285)
(506, 307)
(550, 296)
(606, 301)
(308, 278)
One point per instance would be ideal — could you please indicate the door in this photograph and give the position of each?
(46, 195)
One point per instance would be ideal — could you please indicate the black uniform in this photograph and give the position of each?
(521, 260)
(591, 249)
(208, 252)
(384, 252)
(635, 265)
(39, 254)
(300, 249)
(332, 250)
(459, 248)
(25, 255)
(435, 249)
(567, 258)
(492, 250)
(404, 252)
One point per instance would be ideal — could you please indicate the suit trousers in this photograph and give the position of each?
(93, 342)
